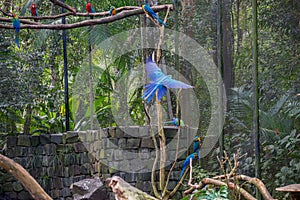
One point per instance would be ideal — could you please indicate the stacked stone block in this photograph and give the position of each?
(58, 160)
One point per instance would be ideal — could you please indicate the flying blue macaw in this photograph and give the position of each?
(175, 122)
(148, 10)
(112, 11)
(186, 163)
(196, 146)
(16, 23)
(34, 11)
(159, 82)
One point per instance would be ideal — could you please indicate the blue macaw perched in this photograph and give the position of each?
(186, 163)
(196, 146)
(159, 82)
(148, 10)
(16, 23)
(175, 122)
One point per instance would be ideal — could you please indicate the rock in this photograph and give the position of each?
(56, 138)
(24, 140)
(89, 189)
(11, 141)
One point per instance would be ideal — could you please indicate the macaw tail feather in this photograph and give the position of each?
(150, 90)
(17, 40)
(181, 174)
(162, 22)
(92, 27)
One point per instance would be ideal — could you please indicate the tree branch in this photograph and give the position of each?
(4, 19)
(258, 183)
(63, 5)
(126, 12)
(231, 185)
(231, 177)
(98, 14)
(36, 191)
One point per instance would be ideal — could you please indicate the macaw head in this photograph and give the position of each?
(15, 15)
(33, 6)
(88, 6)
(197, 138)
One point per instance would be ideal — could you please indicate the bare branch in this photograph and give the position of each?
(8, 20)
(231, 185)
(63, 5)
(258, 183)
(98, 14)
(124, 14)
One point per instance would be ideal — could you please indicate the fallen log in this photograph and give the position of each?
(125, 191)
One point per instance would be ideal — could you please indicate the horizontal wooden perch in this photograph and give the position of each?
(124, 12)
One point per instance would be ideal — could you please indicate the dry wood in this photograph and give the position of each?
(229, 178)
(36, 191)
(124, 191)
(126, 12)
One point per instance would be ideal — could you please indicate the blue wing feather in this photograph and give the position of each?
(159, 81)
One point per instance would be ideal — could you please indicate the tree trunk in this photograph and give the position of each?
(227, 47)
(27, 123)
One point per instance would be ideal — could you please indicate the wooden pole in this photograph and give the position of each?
(220, 66)
(256, 94)
(66, 86)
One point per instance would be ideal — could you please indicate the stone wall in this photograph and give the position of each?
(58, 160)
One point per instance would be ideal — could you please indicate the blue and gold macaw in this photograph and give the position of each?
(196, 146)
(112, 11)
(175, 122)
(148, 10)
(186, 163)
(159, 82)
(16, 23)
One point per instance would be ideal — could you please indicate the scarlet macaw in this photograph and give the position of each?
(16, 23)
(34, 11)
(90, 9)
(148, 10)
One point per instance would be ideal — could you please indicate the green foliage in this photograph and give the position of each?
(280, 138)
(210, 194)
